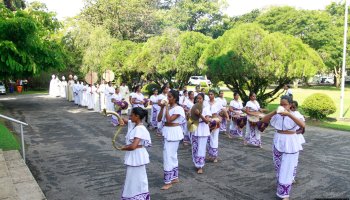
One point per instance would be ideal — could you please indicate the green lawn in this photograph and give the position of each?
(7, 140)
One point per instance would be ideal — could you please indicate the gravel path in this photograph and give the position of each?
(70, 154)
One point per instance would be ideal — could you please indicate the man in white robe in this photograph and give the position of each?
(70, 96)
(58, 87)
(109, 92)
(85, 94)
(63, 87)
(90, 100)
(101, 91)
(81, 87)
(96, 98)
(76, 88)
(52, 86)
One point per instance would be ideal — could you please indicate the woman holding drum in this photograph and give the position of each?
(155, 108)
(201, 134)
(187, 107)
(254, 114)
(213, 141)
(239, 119)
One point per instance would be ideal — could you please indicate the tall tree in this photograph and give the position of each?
(315, 28)
(27, 42)
(135, 20)
(196, 15)
(14, 5)
(173, 54)
(249, 58)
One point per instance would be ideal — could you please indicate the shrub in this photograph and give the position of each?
(318, 106)
(203, 84)
(148, 88)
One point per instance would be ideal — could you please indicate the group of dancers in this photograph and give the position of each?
(170, 114)
(171, 111)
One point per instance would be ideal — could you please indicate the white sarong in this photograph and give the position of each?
(136, 184)
(170, 161)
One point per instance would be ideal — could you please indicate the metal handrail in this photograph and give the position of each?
(22, 136)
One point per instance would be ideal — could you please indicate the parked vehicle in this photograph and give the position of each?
(196, 80)
(327, 80)
(2, 88)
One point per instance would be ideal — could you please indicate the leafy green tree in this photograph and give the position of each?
(135, 20)
(196, 15)
(174, 54)
(27, 42)
(247, 58)
(192, 46)
(13, 5)
(316, 28)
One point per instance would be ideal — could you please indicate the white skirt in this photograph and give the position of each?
(172, 133)
(170, 161)
(287, 143)
(285, 168)
(136, 184)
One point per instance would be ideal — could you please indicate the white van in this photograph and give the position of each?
(196, 80)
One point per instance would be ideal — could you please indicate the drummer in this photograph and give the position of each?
(221, 98)
(164, 93)
(254, 112)
(155, 107)
(200, 136)
(215, 107)
(187, 107)
(137, 99)
(235, 109)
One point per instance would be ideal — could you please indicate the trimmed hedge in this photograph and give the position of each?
(318, 106)
(148, 88)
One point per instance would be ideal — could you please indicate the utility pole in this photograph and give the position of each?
(341, 113)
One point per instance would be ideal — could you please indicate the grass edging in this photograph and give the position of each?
(7, 140)
(331, 125)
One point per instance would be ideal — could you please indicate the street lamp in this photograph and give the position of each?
(344, 62)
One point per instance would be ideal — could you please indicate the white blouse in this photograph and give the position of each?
(203, 128)
(301, 117)
(138, 98)
(222, 100)
(154, 99)
(287, 143)
(237, 106)
(138, 156)
(174, 133)
(176, 110)
(216, 107)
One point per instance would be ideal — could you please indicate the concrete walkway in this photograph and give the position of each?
(16, 181)
(71, 156)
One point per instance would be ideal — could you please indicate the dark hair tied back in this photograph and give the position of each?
(175, 94)
(296, 104)
(142, 113)
(288, 98)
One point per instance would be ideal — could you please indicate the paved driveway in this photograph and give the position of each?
(70, 154)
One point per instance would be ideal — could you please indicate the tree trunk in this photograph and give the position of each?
(337, 75)
(337, 80)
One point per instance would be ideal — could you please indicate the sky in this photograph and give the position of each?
(70, 8)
